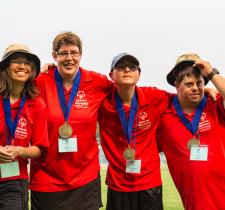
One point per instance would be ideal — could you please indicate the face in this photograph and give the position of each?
(20, 68)
(68, 60)
(190, 90)
(125, 74)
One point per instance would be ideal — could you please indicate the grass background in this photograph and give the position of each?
(171, 198)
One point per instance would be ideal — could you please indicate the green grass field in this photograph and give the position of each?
(171, 198)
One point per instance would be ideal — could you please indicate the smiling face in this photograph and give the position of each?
(20, 68)
(68, 59)
(190, 90)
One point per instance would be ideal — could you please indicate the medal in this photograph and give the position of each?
(65, 131)
(129, 153)
(192, 142)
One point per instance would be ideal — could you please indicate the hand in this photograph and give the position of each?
(14, 151)
(204, 66)
(5, 156)
(46, 67)
(211, 93)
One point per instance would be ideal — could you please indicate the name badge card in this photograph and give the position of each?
(10, 169)
(133, 166)
(68, 145)
(199, 153)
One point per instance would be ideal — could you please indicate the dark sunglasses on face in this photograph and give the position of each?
(122, 67)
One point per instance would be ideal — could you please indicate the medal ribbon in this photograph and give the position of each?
(193, 125)
(127, 124)
(8, 118)
(61, 96)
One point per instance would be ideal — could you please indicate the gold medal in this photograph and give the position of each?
(129, 153)
(65, 131)
(193, 142)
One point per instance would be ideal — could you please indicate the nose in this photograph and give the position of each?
(126, 69)
(69, 56)
(195, 86)
(22, 65)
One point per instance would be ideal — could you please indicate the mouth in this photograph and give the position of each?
(68, 65)
(21, 73)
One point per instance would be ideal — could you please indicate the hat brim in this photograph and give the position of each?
(127, 57)
(32, 57)
(171, 76)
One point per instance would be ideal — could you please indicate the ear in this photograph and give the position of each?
(54, 55)
(176, 85)
(111, 75)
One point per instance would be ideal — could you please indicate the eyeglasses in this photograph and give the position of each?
(27, 64)
(122, 67)
(64, 54)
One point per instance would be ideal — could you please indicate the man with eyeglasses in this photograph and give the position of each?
(128, 119)
(68, 177)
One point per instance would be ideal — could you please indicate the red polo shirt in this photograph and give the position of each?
(151, 103)
(32, 120)
(70, 170)
(201, 184)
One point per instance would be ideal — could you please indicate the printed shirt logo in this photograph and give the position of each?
(81, 102)
(204, 124)
(21, 129)
(143, 121)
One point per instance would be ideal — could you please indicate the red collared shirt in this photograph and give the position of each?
(66, 171)
(201, 184)
(32, 120)
(151, 104)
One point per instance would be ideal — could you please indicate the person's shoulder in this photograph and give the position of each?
(37, 101)
(153, 91)
(49, 73)
(91, 74)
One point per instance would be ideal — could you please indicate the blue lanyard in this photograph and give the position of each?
(8, 117)
(127, 124)
(193, 125)
(61, 96)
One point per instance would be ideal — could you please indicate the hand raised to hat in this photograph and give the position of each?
(204, 66)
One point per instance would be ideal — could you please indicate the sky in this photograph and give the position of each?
(156, 32)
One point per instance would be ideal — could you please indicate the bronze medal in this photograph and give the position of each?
(193, 142)
(129, 153)
(65, 131)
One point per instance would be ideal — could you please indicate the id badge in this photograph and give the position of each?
(68, 145)
(133, 166)
(9, 169)
(199, 153)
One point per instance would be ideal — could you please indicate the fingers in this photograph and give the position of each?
(13, 151)
(5, 156)
(204, 66)
(46, 67)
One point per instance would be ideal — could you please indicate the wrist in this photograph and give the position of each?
(212, 73)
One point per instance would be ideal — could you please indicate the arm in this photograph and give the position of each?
(217, 80)
(24, 152)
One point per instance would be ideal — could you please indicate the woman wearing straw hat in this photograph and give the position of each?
(20, 125)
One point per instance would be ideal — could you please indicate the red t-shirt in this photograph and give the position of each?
(70, 170)
(201, 184)
(151, 103)
(32, 120)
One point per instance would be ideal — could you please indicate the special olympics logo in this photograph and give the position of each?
(203, 116)
(143, 115)
(22, 122)
(80, 94)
